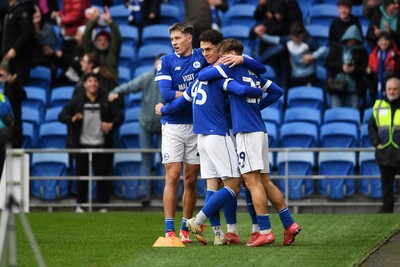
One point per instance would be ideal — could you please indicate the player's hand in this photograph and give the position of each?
(77, 116)
(232, 60)
(157, 108)
(112, 96)
(106, 126)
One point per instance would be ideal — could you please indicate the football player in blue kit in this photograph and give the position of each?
(252, 150)
(175, 72)
(217, 151)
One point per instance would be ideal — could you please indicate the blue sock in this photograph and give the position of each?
(217, 201)
(250, 206)
(230, 211)
(215, 220)
(183, 224)
(286, 218)
(169, 225)
(263, 222)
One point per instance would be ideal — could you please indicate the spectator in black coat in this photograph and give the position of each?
(18, 36)
(94, 121)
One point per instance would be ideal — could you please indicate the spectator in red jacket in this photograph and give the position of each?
(70, 18)
(383, 63)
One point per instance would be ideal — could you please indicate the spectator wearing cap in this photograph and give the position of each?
(385, 19)
(16, 94)
(339, 26)
(93, 121)
(383, 63)
(106, 44)
(18, 36)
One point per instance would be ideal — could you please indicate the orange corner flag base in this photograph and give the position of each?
(168, 242)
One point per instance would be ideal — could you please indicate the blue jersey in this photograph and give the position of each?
(208, 100)
(209, 104)
(175, 73)
(245, 111)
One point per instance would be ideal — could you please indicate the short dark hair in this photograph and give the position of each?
(348, 3)
(90, 74)
(230, 44)
(183, 27)
(212, 36)
(297, 27)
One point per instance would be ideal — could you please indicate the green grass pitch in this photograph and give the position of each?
(126, 239)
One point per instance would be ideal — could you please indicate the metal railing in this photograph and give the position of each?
(91, 177)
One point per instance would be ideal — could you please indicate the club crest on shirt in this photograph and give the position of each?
(166, 156)
(196, 64)
(159, 64)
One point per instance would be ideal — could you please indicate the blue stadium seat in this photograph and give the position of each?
(303, 114)
(119, 14)
(272, 115)
(31, 115)
(240, 14)
(320, 32)
(169, 14)
(130, 35)
(298, 134)
(306, 96)
(129, 135)
(273, 139)
(52, 114)
(240, 32)
(322, 14)
(127, 164)
(299, 163)
(338, 164)
(127, 58)
(269, 74)
(339, 134)
(369, 186)
(132, 114)
(29, 135)
(142, 69)
(36, 98)
(53, 135)
(156, 34)
(40, 76)
(61, 95)
(133, 100)
(342, 114)
(367, 115)
(124, 74)
(49, 164)
(147, 53)
(364, 137)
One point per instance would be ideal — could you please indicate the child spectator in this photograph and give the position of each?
(303, 52)
(383, 62)
(348, 62)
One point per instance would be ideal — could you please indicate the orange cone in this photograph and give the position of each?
(168, 242)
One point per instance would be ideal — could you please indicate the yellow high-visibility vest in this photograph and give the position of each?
(389, 133)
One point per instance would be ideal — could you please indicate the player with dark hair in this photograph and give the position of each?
(254, 167)
(175, 72)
